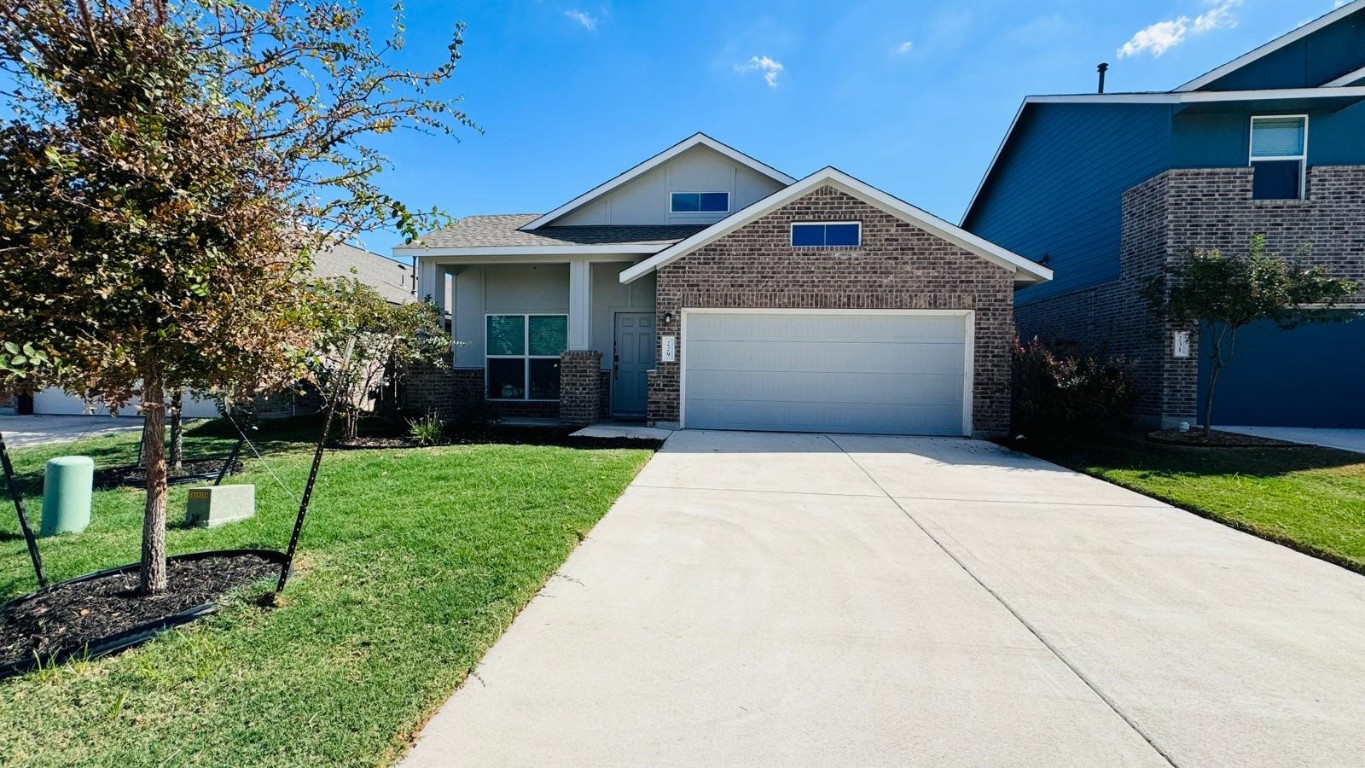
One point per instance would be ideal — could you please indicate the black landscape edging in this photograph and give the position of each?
(136, 635)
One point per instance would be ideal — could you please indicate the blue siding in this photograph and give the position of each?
(1318, 58)
(1222, 139)
(1313, 376)
(1058, 190)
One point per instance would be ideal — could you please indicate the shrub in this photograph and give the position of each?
(428, 430)
(1062, 397)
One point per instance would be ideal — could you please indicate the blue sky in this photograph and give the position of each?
(910, 96)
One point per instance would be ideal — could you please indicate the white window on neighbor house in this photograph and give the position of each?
(825, 234)
(1279, 157)
(699, 202)
(522, 356)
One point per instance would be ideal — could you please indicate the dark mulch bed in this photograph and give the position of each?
(503, 435)
(191, 472)
(1216, 439)
(68, 618)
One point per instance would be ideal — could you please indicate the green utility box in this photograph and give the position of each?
(67, 485)
(212, 506)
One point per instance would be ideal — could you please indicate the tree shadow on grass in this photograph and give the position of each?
(1136, 452)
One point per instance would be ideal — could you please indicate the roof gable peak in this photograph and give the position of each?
(695, 140)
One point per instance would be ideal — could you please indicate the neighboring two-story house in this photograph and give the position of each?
(1107, 188)
(705, 289)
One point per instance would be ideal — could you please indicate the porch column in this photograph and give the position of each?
(580, 304)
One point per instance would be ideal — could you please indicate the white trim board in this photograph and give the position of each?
(1024, 269)
(969, 345)
(1273, 45)
(1346, 79)
(533, 250)
(695, 140)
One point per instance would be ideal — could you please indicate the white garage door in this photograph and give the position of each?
(861, 372)
(57, 402)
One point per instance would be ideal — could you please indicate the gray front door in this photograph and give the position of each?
(633, 358)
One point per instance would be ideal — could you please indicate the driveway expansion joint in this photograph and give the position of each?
(1013, 612)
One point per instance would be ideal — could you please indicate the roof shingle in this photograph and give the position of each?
(503, 230)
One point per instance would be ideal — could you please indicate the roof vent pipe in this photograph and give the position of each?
(1102, 68)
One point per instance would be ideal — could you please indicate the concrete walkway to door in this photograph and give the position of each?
(763, 599)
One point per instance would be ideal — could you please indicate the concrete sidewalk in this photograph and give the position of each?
(812, 600)
(1342, 439)
(22, 431)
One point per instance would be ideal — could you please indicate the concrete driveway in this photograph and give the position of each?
(762, 599)
(20, 431)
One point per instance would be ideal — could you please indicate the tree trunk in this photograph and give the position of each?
(177, 432)
(152, 576)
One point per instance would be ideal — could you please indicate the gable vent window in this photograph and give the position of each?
(845, 234)
(1279, 157)
(700, 202)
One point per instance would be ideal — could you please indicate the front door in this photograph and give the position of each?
(634, 356)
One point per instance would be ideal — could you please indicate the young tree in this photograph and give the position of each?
(1224, 294)
(387, 339)
(165, 175)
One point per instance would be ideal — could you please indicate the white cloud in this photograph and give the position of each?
(1165, 35)
(588, 21)
(905, 47)
(770, 68)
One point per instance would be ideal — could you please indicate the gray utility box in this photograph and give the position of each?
(221, 504)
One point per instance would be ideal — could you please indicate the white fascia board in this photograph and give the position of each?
(1173, 98)
(1273, 45)
(1346, 79)
(695, 140)
(522, 250)
(1031, 271)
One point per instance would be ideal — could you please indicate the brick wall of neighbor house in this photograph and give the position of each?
(1164, 218)
(898, 267)
(8, 404)
(580, 383)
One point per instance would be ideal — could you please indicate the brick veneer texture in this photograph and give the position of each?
(898, 266)
(580, 384)
(1164, 218)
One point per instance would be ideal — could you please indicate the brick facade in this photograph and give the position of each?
(8, 404)
(1166, 217)
(898, 266)
(580, 385)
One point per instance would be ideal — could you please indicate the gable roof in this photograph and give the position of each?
(1336, 97)
(1274, 45)
(695, 140)
(486, 235)
(1025, 270)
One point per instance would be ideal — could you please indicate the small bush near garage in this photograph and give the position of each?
(1062, 397)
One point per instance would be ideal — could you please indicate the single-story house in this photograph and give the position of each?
(705, 289)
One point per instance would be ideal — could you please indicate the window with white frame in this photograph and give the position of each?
(699, 202)
(522, 356)
(1279, 157)
(825, 234)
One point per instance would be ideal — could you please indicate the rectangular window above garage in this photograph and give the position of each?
(700, 202)
(1279, 157)
(523, 356)
(827, 234)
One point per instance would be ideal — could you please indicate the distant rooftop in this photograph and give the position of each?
(392, 279)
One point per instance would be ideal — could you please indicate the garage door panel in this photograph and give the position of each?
(780, 356)
(831, 372)
(828, 417)
(832, 387)
(872, 327)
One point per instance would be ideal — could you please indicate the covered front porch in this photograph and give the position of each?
(544, 337)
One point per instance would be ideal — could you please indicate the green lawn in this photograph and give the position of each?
(1312, 499)
(412, 563)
